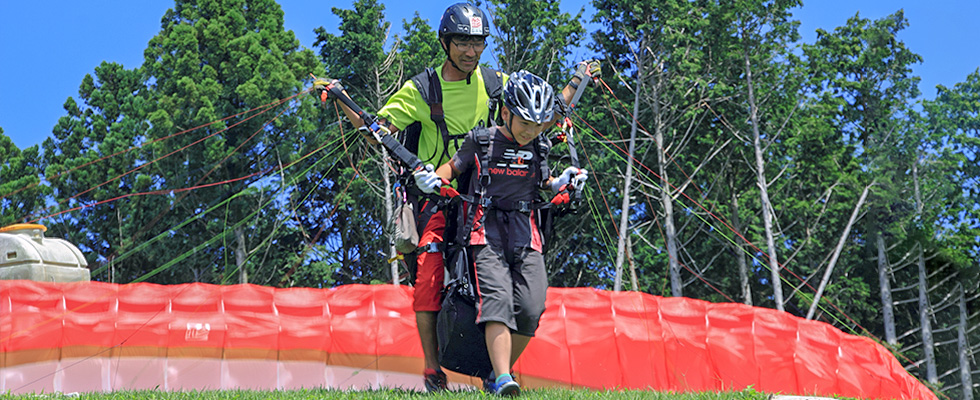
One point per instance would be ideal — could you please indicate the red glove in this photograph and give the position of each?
(447, 191)
(563, 196)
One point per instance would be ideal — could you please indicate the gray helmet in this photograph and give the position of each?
(530, 97)
(464, 19)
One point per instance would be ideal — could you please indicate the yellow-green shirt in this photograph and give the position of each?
(465, 107)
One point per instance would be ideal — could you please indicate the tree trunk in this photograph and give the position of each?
(625, 210)
(667, 202)
(240, 255)
(837, 250)
(928, 344)
(760, 166)
(743, 267)
(925, 319)
(633, 281)
(389, 220)
(666, 197)
(884, 282)
(964, 348)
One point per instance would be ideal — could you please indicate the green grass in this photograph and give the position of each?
(546, 394)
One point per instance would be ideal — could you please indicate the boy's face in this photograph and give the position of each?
(522, 130)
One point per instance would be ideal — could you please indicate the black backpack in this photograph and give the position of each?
(428, 85)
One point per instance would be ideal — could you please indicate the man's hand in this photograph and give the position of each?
(427, 180)
(588, 69)
(326, 83)
(322, 86)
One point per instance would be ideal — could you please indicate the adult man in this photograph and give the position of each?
(466, 104)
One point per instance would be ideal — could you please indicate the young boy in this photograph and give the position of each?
(507, 243)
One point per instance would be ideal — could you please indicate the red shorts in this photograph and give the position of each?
(430, 274)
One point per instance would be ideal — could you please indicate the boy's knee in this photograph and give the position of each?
(527, 322)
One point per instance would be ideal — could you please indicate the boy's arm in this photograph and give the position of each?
(433, 182)
(446, 171)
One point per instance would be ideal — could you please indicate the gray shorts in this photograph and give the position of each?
(511, 286)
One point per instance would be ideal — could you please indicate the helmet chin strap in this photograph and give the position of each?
(508, 123)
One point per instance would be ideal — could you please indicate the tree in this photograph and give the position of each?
(535, 36)
(760, 59)
(862, 71)
(680, 88)
(947, 163)
(211, 60)
(92, 160)
(360, 191)
(421, 48)
(358, 56)
(22, 195)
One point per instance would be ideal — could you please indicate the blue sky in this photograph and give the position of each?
(46, 48)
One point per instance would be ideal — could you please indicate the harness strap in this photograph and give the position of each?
(521, 206)
(430, 89)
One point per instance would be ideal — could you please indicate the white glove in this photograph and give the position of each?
(427, 180)
(578, 181)
(566, 177)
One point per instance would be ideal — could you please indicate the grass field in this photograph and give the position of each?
(546, 394)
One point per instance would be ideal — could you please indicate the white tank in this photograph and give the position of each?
(26, 254)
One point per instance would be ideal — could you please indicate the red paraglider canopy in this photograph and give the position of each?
(94, 336)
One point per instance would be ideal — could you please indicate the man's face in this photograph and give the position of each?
(466, 51)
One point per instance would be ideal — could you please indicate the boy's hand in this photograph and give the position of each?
(578, 181)
(570, 175)
(427, 180)
(574, 179)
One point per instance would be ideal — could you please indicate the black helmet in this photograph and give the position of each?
(464, 19)
(530, 97)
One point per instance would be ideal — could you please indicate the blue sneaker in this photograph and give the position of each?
(506, 386)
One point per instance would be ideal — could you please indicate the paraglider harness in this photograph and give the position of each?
(462, 347)
(429, 87)
(461, 342)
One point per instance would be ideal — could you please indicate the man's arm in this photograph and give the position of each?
(359, 123)
(351, 115)
(586, 69)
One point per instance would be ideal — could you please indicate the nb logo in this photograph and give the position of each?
(513, 158)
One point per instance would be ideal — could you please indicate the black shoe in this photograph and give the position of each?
(435, 381)
(488, 383)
